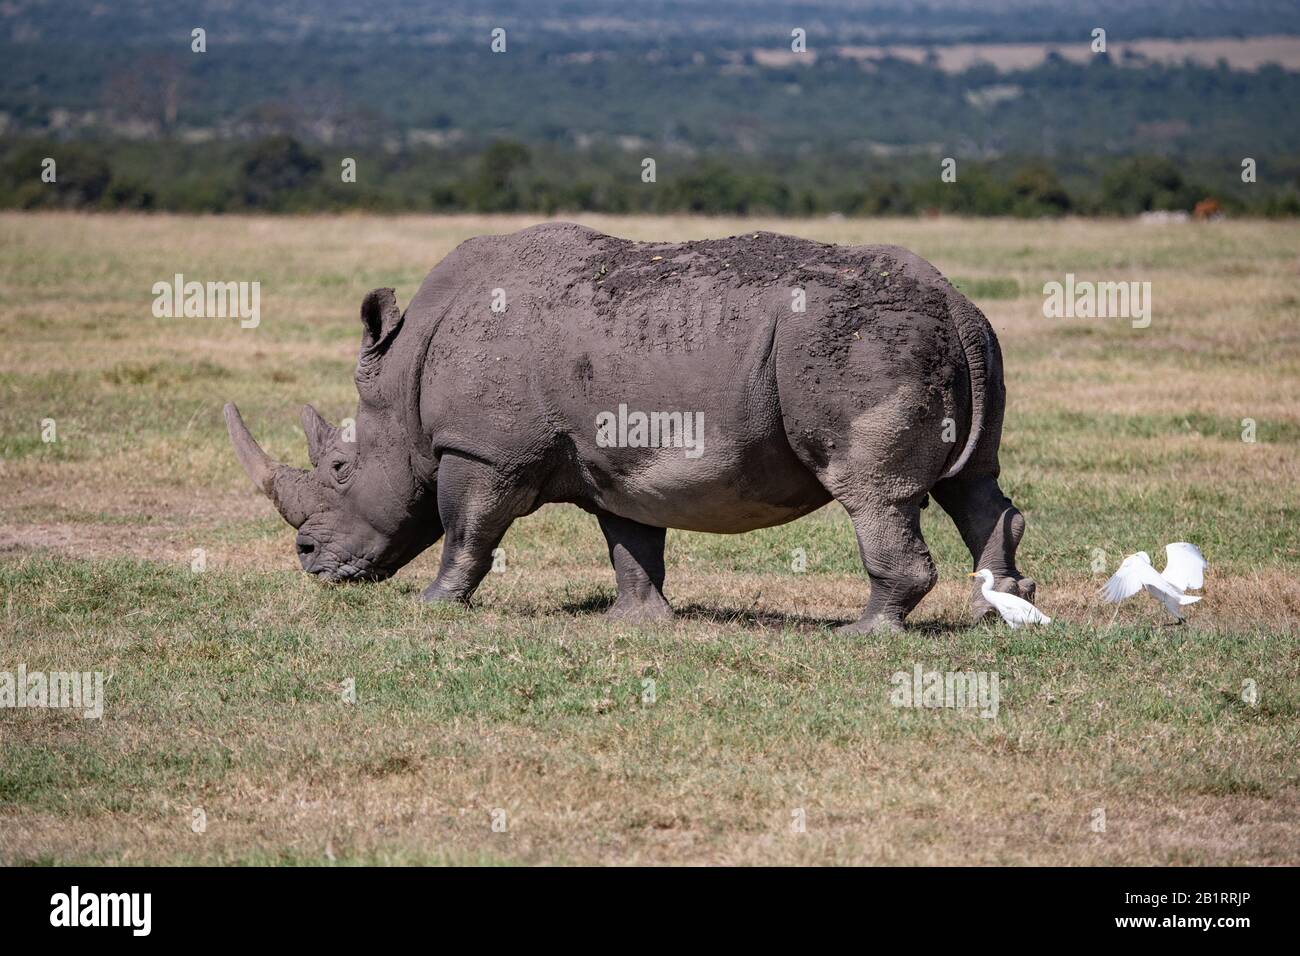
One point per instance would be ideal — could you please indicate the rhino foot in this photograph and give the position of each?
(875, 624)
(434, 594)
(640, 610)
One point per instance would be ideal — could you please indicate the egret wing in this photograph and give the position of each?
(1185, 567)
(1133, 575)
(1016, 610)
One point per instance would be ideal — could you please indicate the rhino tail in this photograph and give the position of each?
(984, 369)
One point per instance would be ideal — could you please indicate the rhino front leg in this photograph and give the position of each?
(637, 553)
(992, 527)
(476, 506)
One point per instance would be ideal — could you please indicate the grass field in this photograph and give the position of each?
(225, 695)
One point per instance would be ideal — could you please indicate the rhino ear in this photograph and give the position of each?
(319, 433)
(380, 320)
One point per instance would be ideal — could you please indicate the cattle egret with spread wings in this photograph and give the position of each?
(1015, 610)
(1184, 571)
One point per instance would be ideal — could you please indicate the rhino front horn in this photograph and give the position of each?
(282, 484)
(259, 466)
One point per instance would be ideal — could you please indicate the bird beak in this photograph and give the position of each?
(972, 575)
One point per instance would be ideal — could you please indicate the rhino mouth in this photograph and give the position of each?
(328, 564)
(349, 572)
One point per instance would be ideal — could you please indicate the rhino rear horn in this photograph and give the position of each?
(319, 433)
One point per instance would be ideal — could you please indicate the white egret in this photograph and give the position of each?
(1015, 610)
(1184, 570)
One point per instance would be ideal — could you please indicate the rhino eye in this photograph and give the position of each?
(340, 468)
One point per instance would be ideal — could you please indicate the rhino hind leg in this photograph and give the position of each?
(897, 562)
(476, 507)
(992, 527)
(880, 467)
(637, 552)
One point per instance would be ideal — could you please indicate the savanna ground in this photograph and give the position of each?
(225, 690)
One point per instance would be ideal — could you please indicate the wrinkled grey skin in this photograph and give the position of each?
(470, 418)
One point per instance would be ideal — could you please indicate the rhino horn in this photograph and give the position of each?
(282, 484)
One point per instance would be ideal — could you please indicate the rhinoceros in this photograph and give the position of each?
(717, 385)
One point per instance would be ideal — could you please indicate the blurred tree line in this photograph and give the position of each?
(281, 174)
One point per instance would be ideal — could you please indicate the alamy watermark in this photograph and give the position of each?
(1083, 299)
(651, 430)
(210, 300)
(70, 690)
(959, 690)
(75, 908)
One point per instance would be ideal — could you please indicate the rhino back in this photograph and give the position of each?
(693, 316)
